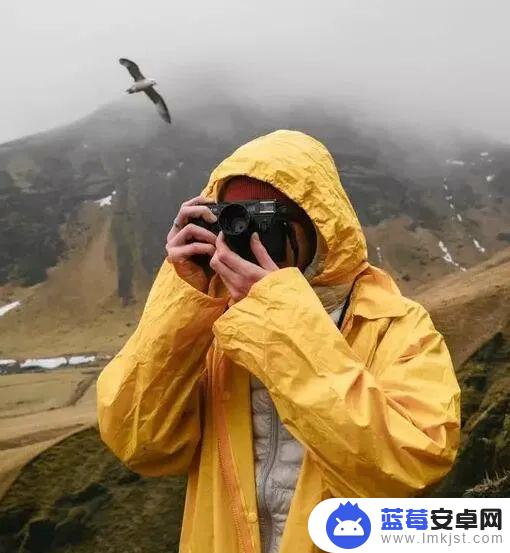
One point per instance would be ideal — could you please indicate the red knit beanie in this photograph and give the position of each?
(242, 187)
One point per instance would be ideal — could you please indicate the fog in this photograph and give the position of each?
(431, 65)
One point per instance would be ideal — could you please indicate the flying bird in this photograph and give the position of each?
(142, 84)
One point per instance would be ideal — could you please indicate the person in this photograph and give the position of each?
(252, 383)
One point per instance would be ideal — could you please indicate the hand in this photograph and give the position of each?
(187, 239)
(238, 274)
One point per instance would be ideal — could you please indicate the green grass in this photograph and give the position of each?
(485, 449)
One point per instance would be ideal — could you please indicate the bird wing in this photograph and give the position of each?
(159, 103)
(133, 69)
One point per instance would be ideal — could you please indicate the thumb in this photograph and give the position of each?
(260, 253)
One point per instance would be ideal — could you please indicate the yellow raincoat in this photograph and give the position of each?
(376, 405)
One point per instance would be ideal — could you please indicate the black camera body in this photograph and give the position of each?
(239, 220)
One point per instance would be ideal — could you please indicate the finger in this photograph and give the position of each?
(182, 253)
(224, 271)
(230, 258)
(181, 219)
(191, 201)
(198, 200)
(260, 253)
(188, 212)
(193, 233)
(195, 212)
(171, 234)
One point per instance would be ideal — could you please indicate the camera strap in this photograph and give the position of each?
(344, 308)
(291, 234)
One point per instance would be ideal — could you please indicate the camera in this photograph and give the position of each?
(239, 220)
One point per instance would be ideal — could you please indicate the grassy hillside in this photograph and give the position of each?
(76, 497)
(472, 310)
(77, 309)
(483, 462)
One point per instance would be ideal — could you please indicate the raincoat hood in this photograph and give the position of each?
(303, 169)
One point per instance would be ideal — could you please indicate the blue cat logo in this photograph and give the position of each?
(348, 526)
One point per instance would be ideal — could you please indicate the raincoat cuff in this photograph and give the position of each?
(284, 290)
(288, 275)
(193, 291)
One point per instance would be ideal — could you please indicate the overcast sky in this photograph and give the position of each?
(428, 62)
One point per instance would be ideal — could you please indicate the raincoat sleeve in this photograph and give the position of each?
(387, 430)
(148, 403)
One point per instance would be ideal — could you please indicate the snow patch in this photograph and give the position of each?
(170, 173)
(181, 163)
(81, 359)
(448, 256)
(459, 217)
(103, 202)
(5, 362)
(128, 159)
(445, 186)
(484, 154)
(481, 249)
(6, 308)
(379, 255)
(48, 363)
(455, 162)
(490, 178)
(452, 206)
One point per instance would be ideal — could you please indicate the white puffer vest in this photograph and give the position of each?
(278, 457)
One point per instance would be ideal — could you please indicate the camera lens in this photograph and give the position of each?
(234, 219)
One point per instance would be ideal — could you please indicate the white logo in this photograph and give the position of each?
(348, 528)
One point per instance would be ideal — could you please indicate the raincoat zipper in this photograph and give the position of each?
(265, 519)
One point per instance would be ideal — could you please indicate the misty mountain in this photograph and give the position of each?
(148, 168)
